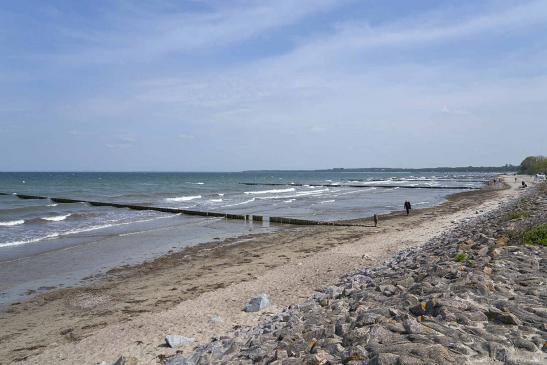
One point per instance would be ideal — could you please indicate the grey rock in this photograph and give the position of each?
(215, 319)
(258, 303)
(177, 341)
(502, 317)
(123, 360)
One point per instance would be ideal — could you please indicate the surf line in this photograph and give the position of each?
(366, 186)
(249, 217)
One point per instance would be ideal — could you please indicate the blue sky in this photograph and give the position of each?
(234, 85)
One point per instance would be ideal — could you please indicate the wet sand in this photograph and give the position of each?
(131, 309)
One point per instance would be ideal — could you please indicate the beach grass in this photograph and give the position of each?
(536, 236)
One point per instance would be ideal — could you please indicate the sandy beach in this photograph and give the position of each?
(200, 291)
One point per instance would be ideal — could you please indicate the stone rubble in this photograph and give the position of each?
(473, 295)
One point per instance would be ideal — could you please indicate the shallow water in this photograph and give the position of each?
(46, 244)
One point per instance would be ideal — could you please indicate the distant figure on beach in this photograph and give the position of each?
(523, 184)
(515, 179)
(375, 220)
(407, 207)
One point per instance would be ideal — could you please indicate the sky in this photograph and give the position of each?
(238, 85)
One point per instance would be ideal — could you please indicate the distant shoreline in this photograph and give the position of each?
(498, 169)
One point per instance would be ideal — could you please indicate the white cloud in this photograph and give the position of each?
(352, 85)
(185, 136)
(121, 142)
(153, 35)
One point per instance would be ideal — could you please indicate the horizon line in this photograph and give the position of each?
(393, 169)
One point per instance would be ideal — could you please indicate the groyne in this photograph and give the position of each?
(245, 217)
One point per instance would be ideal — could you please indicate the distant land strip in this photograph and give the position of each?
(494, 169)
(251, 217)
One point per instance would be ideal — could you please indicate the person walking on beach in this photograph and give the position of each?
(375, 220)
(407, 207)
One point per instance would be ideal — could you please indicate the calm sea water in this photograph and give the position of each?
(44, 243)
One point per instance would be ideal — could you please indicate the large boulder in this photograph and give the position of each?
(258, 303)
(176, 341)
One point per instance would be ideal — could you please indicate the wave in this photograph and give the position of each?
(215, 200)
(12, 223)
(52, 205)
(327, 201)
(296, 195)
(78, 230)
(245, 202)
(270, 191)
(30, 240)
(289, 201)
(360, 190)
(57, 218)
(183, 198)
(378, 181)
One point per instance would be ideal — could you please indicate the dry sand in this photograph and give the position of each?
(130, 310)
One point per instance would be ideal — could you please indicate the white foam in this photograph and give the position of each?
(378, 182)
(183, 198)
(215, 200)
(289, 201)
(296, 195)
(12, 223)
(311, 192)
(196, 183)
(52, 205)
(93, 228)
(360, 190)
(327, 201)
(31, 240)
(245, 202)
(270, 191)
(78, 230)
(57, 218)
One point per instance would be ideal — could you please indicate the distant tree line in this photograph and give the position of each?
(533, 165)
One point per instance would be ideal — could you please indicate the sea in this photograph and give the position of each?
(45, 245)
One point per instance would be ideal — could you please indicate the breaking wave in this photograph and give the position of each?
(183, 198)
(12, 223)
(245, 202)
(270, 191)
(57, 218)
